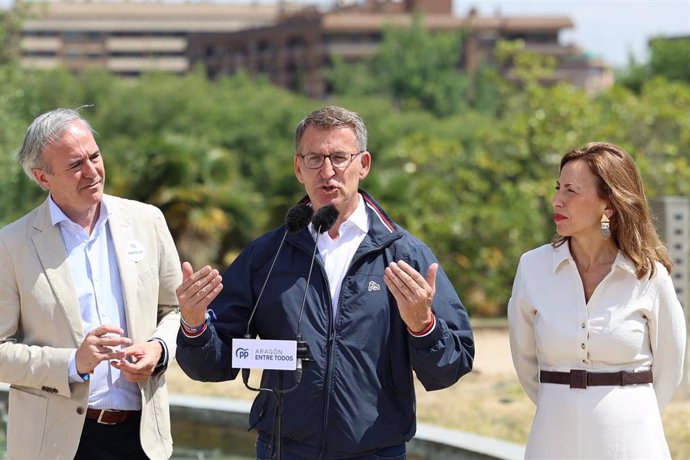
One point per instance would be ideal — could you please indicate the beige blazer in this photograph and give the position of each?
(40, 325)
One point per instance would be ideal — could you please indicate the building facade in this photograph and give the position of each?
(294, 51)
(292, 45)
(127, 37)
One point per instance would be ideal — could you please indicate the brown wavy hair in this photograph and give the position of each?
(620, 184)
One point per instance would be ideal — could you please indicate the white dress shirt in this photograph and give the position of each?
(337, 253)
(628, 324)
(96, 277)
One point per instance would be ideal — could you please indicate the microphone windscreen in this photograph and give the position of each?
(298, 217)
(324, 218)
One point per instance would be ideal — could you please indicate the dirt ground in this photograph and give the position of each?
(493, 352)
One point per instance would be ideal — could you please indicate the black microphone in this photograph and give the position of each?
(324, 218)
(296, 220)
(322, 221)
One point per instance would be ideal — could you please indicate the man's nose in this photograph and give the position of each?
(327, 169)
(88, 169)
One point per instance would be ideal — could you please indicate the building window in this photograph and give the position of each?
(40, 33)
(71, 37)
(126, 54)
(39, 54)
(72, 54)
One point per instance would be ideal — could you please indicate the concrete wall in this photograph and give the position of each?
(673, 218)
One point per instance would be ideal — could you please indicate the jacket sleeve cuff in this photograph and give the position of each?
(163, 361)
(428, 337)
(426, 330)
(195, 340)
(73, 375)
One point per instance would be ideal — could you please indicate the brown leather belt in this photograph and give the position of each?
(109, 416)
(578, 378)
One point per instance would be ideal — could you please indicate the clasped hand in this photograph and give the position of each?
(107, 343)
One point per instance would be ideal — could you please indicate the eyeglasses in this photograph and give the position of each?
(339, 160)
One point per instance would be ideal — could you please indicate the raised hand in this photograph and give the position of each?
(413, 294)
(197, 291)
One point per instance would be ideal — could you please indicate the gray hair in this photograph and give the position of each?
(333, 117)
(43, 131)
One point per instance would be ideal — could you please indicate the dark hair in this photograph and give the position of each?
(620, 184)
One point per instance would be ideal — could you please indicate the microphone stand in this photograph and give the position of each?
(279, 393)
(302, 346)
(296, 220)
(302, 353)
(278, 430)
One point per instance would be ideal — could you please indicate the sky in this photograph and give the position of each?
(611, 29)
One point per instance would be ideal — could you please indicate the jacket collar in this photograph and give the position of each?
(382, 229)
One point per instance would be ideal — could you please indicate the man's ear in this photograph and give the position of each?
(298, 169)
(41, 178)
(366, 165)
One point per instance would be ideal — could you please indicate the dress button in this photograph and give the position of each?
(80, 410)
(584, 361)
(584, 325)
(582, 345)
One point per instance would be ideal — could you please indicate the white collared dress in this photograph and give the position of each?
(627, 325)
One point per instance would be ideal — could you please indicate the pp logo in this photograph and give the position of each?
(242, 353)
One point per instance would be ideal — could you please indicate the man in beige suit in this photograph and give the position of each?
(87, 308)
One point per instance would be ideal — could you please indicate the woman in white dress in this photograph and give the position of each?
(597, 333)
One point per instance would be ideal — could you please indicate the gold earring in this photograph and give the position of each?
(605, 227)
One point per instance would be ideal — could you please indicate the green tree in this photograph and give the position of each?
(10, 27)
(670, 58)
(414, 66)
(16, 192)
(654, 127)
(476, 184)
(419, 68)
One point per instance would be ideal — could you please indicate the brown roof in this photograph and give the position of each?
(113, 10)
(367, 22)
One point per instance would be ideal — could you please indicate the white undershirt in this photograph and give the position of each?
(337, 253)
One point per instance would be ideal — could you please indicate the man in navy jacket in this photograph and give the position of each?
(369, 320)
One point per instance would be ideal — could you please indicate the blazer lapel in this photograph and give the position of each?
(122, 232)
(51, 252)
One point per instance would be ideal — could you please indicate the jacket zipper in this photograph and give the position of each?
(329, 367)
(331, 348)
(331, 341)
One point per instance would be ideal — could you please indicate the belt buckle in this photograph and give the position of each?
(578, 378)
(100, 418)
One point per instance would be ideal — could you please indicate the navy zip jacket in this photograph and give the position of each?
(357, 395)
